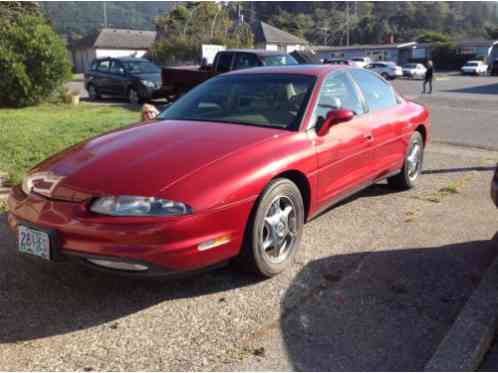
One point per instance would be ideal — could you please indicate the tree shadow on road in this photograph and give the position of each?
(41, 299)
(488, 89)
(380, 310)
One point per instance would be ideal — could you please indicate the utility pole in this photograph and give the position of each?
(347, 23)
(105, 14)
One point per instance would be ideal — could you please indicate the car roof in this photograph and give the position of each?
(123, 59)
(313, 70)
(259, 52)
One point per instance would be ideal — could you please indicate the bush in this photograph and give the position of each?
(33, 61)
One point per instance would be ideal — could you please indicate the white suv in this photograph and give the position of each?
(388, 70)
(361, 61)
(474, 68)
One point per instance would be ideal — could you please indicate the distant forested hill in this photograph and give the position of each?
(80, 18)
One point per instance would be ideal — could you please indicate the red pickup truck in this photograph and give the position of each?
(178, 80)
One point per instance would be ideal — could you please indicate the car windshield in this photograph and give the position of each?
(359, 59)
(410, 66)
(255, 99)
(278, 60)
(472, 64)
(141, 67)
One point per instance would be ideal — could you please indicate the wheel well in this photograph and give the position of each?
(303, 185)
(423, 132)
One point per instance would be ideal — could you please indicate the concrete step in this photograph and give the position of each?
(3, 178)
(4, 193)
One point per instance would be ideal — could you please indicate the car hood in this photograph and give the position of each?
(143, 159)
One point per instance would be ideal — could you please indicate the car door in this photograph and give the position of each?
(344, 154)
(117, 78)
(102, 76)
(223, 62)
(387, 121)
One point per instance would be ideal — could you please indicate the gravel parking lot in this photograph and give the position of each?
(378, 282)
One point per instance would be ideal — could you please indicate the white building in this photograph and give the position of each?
(273, 39)
(110, 43)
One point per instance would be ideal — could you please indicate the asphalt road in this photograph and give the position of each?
(379, 280)
(463, 109)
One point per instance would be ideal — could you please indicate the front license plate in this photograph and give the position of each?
(34, 242)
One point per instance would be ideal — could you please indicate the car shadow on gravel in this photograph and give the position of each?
(41, 299)
(380, 310)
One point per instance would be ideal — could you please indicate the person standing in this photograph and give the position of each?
(429, 76)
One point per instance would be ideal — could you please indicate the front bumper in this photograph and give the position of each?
(166, 245)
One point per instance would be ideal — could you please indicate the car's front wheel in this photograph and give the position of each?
(93, 94)
(133, 96)
(412, 167)
(274, 230)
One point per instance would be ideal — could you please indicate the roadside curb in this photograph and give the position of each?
(466, 343)
(4, 191)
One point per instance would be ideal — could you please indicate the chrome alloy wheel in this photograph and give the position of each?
(414, 161)
(133, 97)
(279, 232)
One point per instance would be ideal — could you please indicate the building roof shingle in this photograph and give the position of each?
(263, 32)
(117, 39)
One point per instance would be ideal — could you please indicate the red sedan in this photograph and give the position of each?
(232, 170)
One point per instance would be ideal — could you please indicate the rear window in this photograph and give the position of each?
(278, 60)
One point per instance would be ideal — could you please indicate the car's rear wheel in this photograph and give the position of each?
(93, 93)
(274, 230)
(412, 167)
(385, 76)
(133, 96)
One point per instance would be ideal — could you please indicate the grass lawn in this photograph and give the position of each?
(29, 135)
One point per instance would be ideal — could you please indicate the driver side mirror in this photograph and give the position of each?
(334, 117)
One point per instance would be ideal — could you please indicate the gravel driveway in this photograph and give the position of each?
(379, 280)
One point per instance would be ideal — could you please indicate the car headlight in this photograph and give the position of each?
(148, 83)
(139, 206)
(27, 185)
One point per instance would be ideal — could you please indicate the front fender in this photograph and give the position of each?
(243, 176)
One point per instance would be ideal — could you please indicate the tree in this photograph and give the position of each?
(492, 32)
(187, 27)
(33, 59)
(433, 37)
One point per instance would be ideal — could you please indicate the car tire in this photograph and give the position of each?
(385, 76)
(133, 96)
(412, 166)
(274, 230)
(93, 93)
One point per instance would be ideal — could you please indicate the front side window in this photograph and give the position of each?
(254, 99)
(116, 68)
(337, 92)
(378, 93)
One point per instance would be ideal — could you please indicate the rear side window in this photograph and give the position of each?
(224, 62)
(103, 66)
(93, 67)
(378, 94)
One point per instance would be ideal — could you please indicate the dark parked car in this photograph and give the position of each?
(134, 78)
(177, 80)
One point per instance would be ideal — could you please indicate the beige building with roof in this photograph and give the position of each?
(110, 43)
(271, 38)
